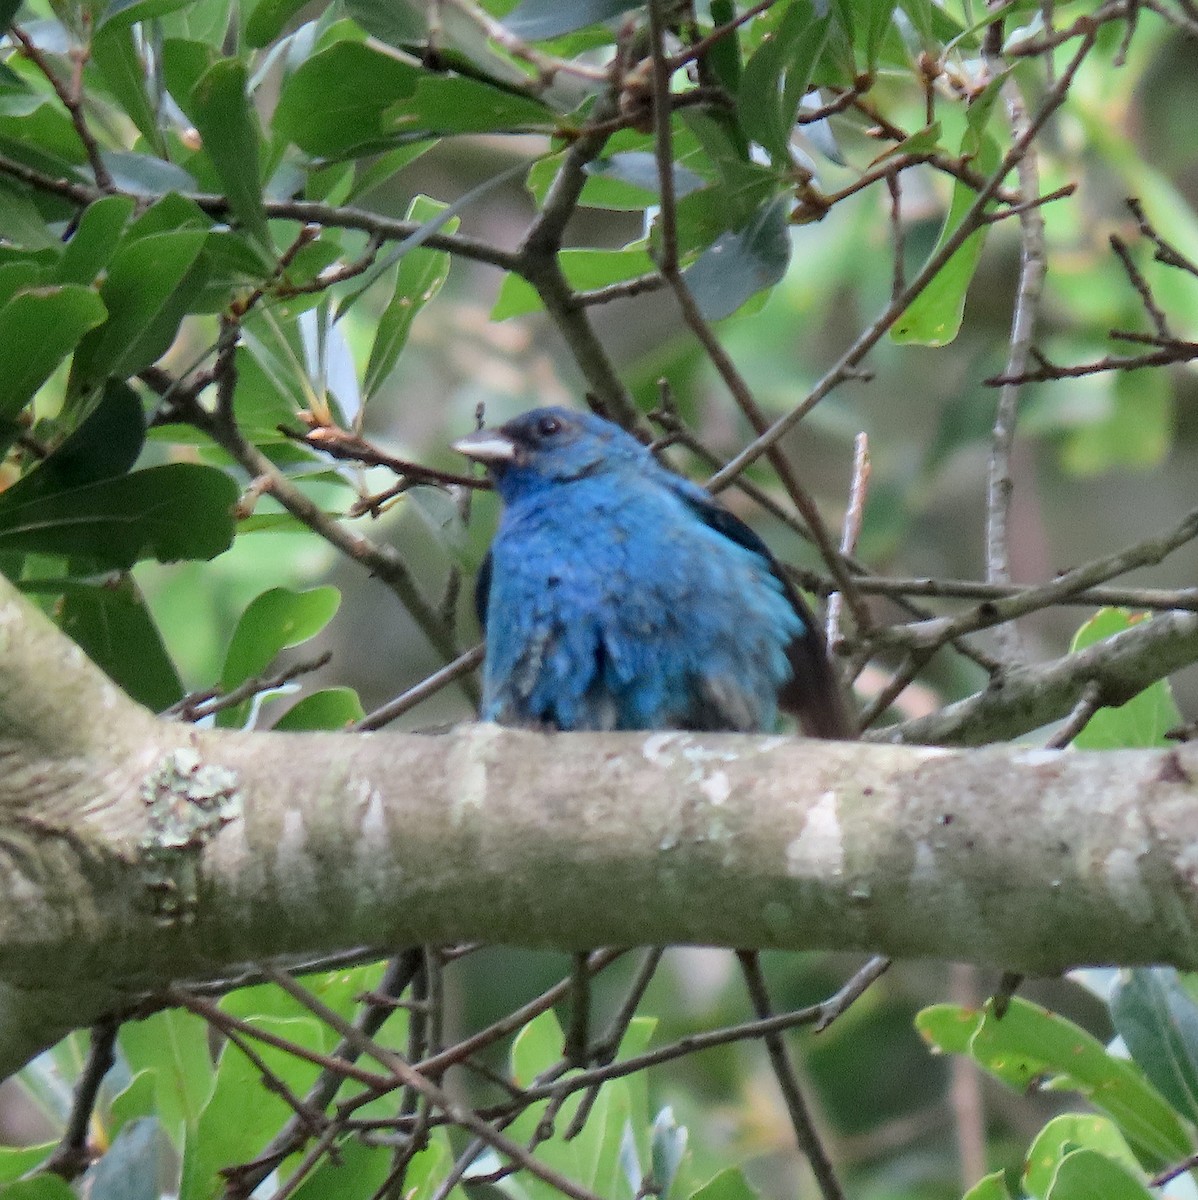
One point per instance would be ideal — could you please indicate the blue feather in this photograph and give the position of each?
(618, 595)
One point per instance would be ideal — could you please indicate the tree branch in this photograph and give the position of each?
(135, 852)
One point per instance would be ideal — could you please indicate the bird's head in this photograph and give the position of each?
(548, 446)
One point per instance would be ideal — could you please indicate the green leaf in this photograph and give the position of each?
(172, 1046)
(385, 167)
(1063, 1134)
(39, 327)
(584, 269)
(738, 265)
(455, 104)
(536, 1048)
(94, 240)
(723, 57)
(1088, 1175)
(273, 621)
(20, 275)
(537, 20)
(42, 1187)
(1158, 1020)
(124, 74)
(933, 318)
(137, 1099)
(147, 292)
(637, 169)
(1132, 424)
(727, 1185)
(16, 1161)
(105, 444)
(122, 14)
(351, 97)
(397, 24)
(1142, 721)
(220, 108)
(20, 218)
(1030, 1042)
(766, 108)
(989, 1187)
(357, 1170)
(330, 708)
(147, 174)
(184, 61)
(336, 101)
(115, 628)
(171, 512)
(230, 1130)
(266, 20)
(418, 279)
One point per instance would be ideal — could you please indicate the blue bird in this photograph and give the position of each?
(619, 595)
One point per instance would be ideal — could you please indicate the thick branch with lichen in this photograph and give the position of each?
(136, 852)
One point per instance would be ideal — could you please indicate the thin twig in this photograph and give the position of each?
(788, 1083)
(460, 1114)
(850, 531)
(429, 686)
(72, 1156)
(72, 101)
(869, 337)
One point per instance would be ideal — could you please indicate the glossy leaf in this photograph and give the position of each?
(124, 73)
(738, 265)
(1068, 1132)
(41, 1187)
(727, 1185)
(777, 77)
(584, 269)
(115, 628)
(1143, 720)
(105, 444)
(171, 512)
(353, 97)
(94, 240)
(419, 277)
(397, 22)
(339, 99)
(273, 621)
(137, 1099)
(536, 20)
(147, 292)
(221, 110)
(16, 1161)
(39, 327)
(1158, 1020)
(934, 317)
(266, 20)
(124, 13)
(1030, 1043)
(330, 708)
(229, 1130)
(173, 1047)
(1088, 1175)
(990, 1187)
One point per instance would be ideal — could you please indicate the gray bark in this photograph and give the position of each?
(135, 852)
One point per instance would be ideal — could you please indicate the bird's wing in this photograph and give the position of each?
(482, 592)
(813, 696)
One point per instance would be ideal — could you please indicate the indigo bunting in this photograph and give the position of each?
(619, 595)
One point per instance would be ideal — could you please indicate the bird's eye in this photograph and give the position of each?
(548, 426)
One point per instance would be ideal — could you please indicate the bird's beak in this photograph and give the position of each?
(486, 446)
